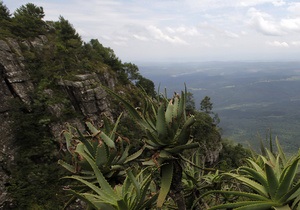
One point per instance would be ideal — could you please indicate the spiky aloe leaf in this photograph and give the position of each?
(280, 152)
(287, 179)
(149, 162)
(101, 156)
(144, 189)
(254, 174)
(132, 111)
(134, 155)
(273, 182)
(259, 169)
(262, 147)
(148, 204)
(86, 143)
(124, 156)
(293, 193)
(94, 131)
(245, 205)
(105, 186)
(107, 124)
(278, 167)
(272, 158)
(153, 139)
(250, 183)
(295, 204)
(67, 166)
(68, 137)
(181, 105)
(108, 141)
(252, 196)
(176, 106)
(169, 113)
(121, 205)
(134, 182)
(258, 206)
(103, 194)
(142, 197)
(125, 187)
(99, 202)
(286, 207)
(90, 202)
(166, 180)
(161, 126)
(180, 148)
(165, 155)
(114, 130)
(184, 134)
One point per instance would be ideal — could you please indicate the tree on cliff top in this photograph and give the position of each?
(28, 21)
(4, 12)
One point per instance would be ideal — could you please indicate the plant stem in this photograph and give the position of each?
(176, 186)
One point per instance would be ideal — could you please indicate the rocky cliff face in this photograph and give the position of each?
(85, 95)
(15, 82)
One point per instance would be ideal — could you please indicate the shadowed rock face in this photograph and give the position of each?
(14, 82)
(85, 95)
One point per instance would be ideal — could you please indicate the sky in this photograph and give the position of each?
(184, 30)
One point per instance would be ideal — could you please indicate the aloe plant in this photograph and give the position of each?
(167, 129)
(198, 179)
(272, 180)
(133, 194)
(110, 153)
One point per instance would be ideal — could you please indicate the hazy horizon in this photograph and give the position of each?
(249, 97)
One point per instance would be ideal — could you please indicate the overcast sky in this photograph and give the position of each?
(184, 30)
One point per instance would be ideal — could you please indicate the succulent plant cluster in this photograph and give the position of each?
(109, 151)
(272, 180)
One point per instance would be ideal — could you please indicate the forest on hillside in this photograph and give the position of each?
(150, 151)
(251, 98)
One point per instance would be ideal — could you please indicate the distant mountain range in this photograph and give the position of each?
(251, 98)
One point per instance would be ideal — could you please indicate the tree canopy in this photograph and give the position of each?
(28, 21)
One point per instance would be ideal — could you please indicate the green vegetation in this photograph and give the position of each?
(34, 180)
(159, 153)
(61, 54)
(268, 181)
(271, 180)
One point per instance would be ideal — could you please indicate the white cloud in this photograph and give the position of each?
(264, 23)
(231, 34)
(278, 3)
(295, 43)
(291, 24)
(294, 8)
(215, 4)
(141, 38)
(120, 43)
(278, 44)
(188, 31)
(251, 3)
(159, 35)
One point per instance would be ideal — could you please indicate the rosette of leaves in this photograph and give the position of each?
(197, 180)
(272, 180)
(133, 194)
(109, 151)
(167, 129)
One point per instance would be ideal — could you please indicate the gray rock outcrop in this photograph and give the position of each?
(84, 92)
